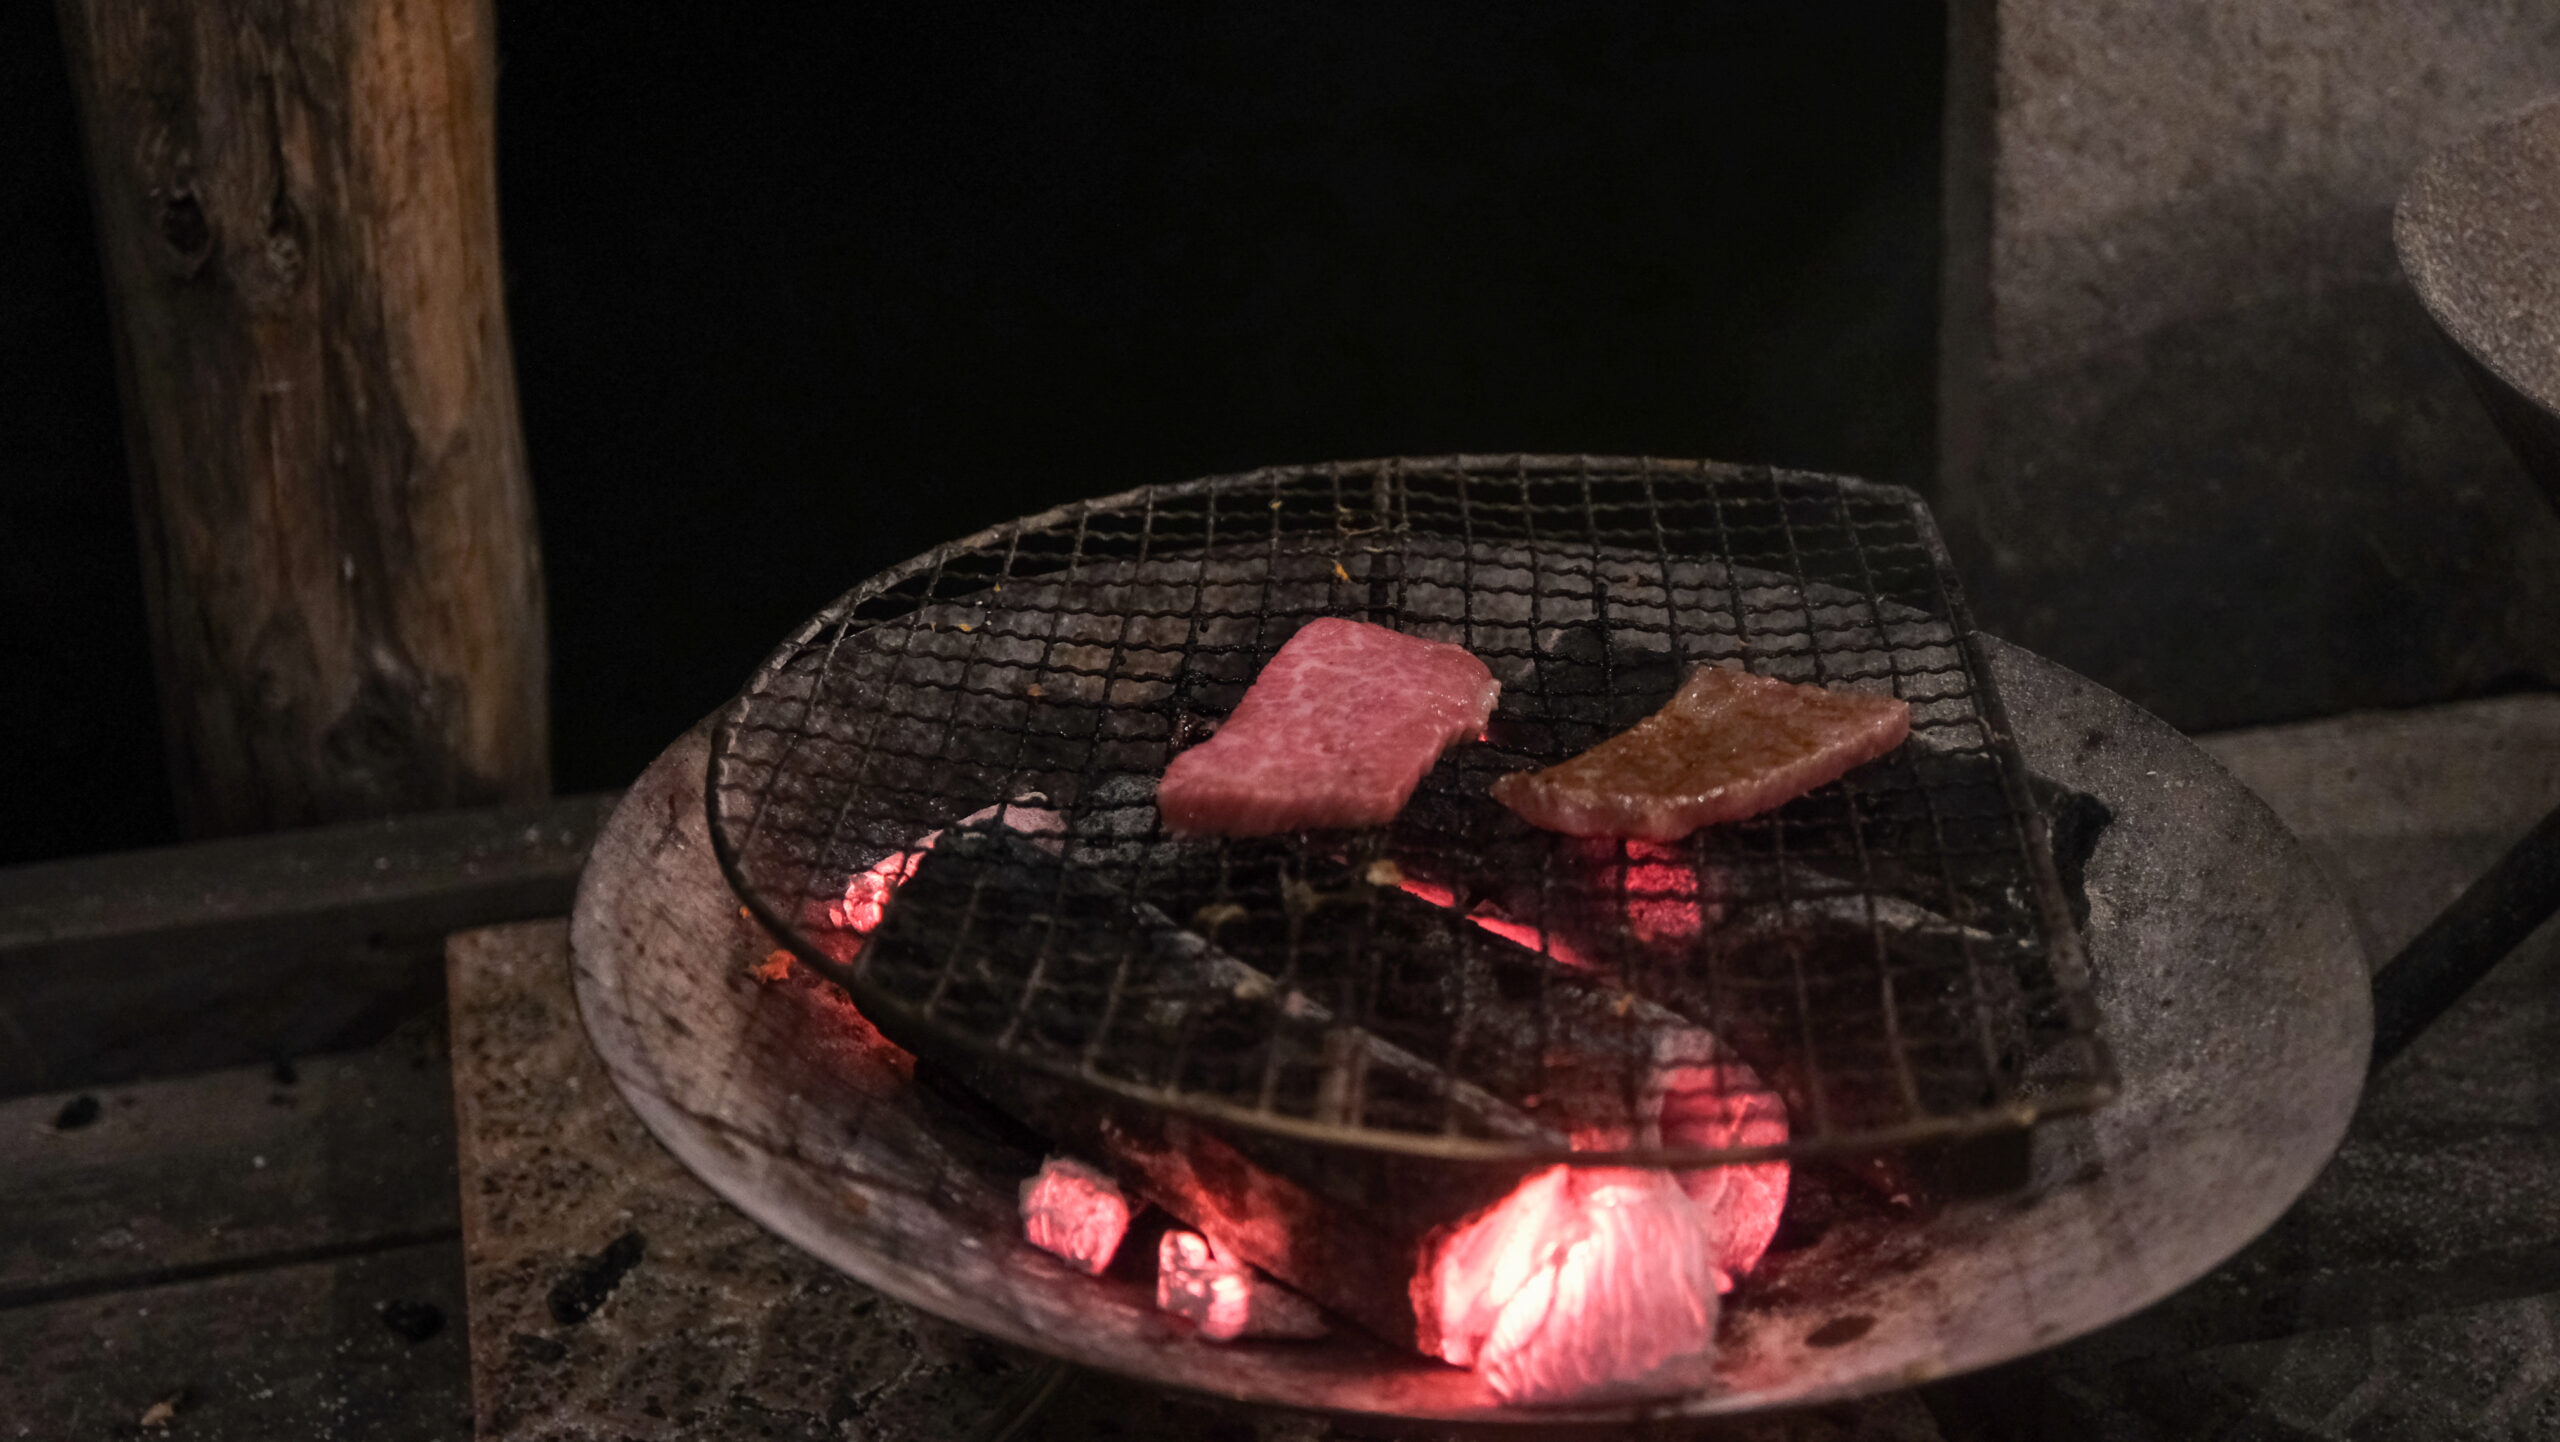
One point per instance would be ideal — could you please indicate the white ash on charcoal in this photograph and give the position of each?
(1074, 1212)
(1216, 1292)
(1694, 1093)
(1587, 1283)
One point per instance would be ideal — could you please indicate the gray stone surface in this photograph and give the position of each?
(711, 1328)
(2414, 1291)
(2479, 234)
(2218, 460)
(2405, 808)
(2472, 1372)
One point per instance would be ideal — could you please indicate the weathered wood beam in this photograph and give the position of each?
(153, 963)
(298, 208)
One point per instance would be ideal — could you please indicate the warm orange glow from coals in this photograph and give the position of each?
(1201, 1282)
(850, 920)
(1721, 1103)
(1585, 1282)
(1074, 1212)
(1663, 904)
(1489, 917)
(1596, 1282)
(866, 897)
(1195, 1281)
(1590, 1282)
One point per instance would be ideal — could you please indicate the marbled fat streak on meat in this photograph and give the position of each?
(1729, 745)
(1336, 731)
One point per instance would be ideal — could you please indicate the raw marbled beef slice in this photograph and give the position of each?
(1336, 731)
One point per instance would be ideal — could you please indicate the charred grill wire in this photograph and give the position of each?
(1893, 952)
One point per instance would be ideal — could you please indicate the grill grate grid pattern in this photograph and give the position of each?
(1892, 953)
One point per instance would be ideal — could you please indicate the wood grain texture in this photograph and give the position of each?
(297, 204)
(183, 958)
(270, 1251)
(233, 1170)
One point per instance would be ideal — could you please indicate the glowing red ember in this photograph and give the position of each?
(1601, 1282)
(866, 897)
(1661, 889)
(1072, 1211)
(1198, 1281)
(1709, 1098)
(1336, 731)
(1646, 892)
(1585, 1283)
(1491, 918)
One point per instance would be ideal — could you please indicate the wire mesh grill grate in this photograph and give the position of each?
(1891, 953)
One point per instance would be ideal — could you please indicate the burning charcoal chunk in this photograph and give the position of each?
(1334, 1224)
(1583, 1284)
(1337, 731)
(1594, 681)
(1711, 1100)
(1605, 901)
(866, 897)
(1693, 1092)
(1072, 1211)
(986, 904)
(1728, 745)
(1198, 1281)
(1938, 828)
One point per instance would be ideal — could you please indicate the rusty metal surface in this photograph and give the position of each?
(2229, 971)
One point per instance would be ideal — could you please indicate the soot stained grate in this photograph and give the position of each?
(1892, 953)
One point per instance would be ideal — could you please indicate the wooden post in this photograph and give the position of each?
(297, 203)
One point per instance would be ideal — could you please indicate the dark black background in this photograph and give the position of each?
(796, 295)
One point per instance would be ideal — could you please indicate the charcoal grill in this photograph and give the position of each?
(2235, 993)
(2237, 1012)
(1895, 951)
